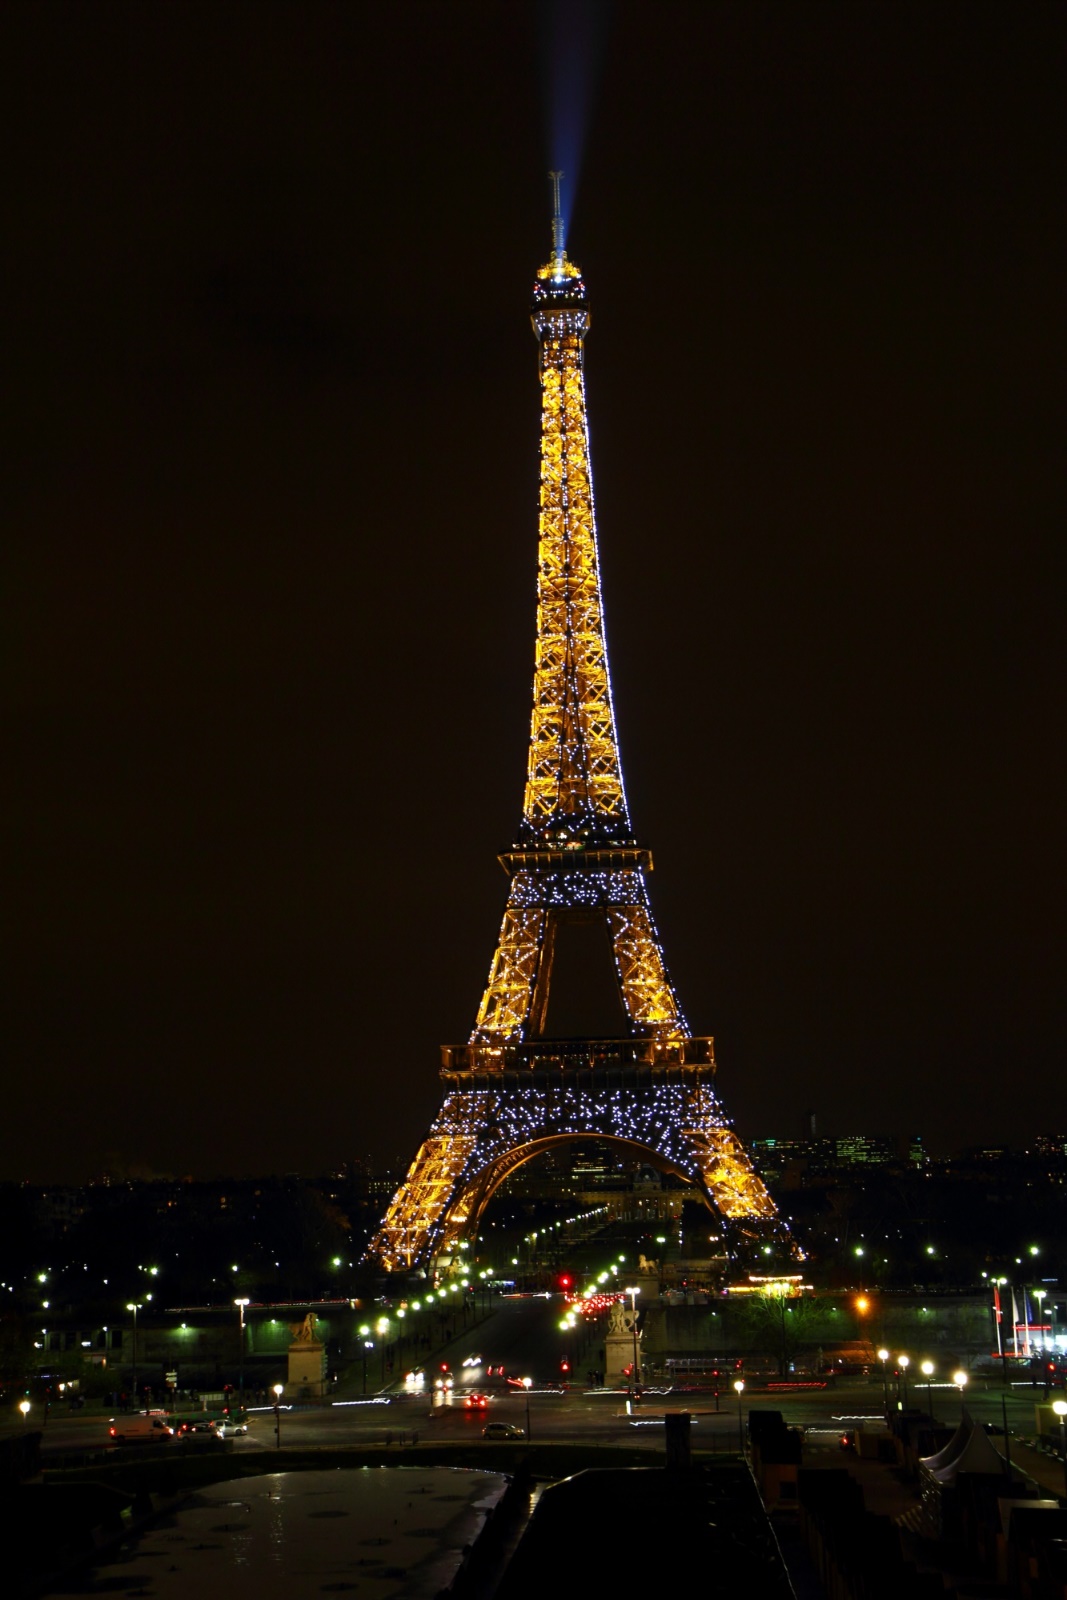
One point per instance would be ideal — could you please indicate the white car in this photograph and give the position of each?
(226, 1426)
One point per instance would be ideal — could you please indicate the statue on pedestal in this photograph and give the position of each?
(307, 1358)
(622, 1319)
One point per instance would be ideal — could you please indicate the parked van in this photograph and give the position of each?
(142, 1427)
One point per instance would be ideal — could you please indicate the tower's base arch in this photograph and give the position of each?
(481, 1135)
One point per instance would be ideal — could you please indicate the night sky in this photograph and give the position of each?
(270, 492)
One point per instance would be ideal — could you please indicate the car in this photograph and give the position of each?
(502, 1430)
(476, 1402)
(225, 1426)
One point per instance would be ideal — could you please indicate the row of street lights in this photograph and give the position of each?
(959, 1378)
(927, 1368)
(242, 1302)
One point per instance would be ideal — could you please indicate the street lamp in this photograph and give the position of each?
(960, 1380)
(1037, 1328)
(527, 1384)
(277, 1388)
(998, 1318)
(24, 1407)
(739, 1389)
(883, 1356)
(903, 1362)
(635, 1371)
(1039, 1295)
(240, 1304)
(134, 1306)
(928, 1372)
(1060, 1408)
(367, 1344)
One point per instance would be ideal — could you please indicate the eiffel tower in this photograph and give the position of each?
(512, 1091)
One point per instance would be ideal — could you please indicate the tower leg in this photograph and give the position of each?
(411, 1229)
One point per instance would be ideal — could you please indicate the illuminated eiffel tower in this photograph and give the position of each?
(512, 1092)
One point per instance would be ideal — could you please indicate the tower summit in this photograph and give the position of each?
(574, 791)
(512, 1091)
(558, 252)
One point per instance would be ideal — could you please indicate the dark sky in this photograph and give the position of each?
(271, 438)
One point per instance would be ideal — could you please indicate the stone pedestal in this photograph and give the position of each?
(307, 1370)
(618, 1355)
(622, 1346)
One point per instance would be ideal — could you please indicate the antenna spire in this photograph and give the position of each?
(557, 221)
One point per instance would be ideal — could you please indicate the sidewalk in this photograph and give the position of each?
(1046, 1471)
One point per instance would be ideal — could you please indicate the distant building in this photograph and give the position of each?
(792, 1163)
(863, 1150)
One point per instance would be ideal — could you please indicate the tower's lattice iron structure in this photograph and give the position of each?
(511, 1092)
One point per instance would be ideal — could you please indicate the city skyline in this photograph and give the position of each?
(276, 466)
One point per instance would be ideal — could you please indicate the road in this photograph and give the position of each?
(524, 1338)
